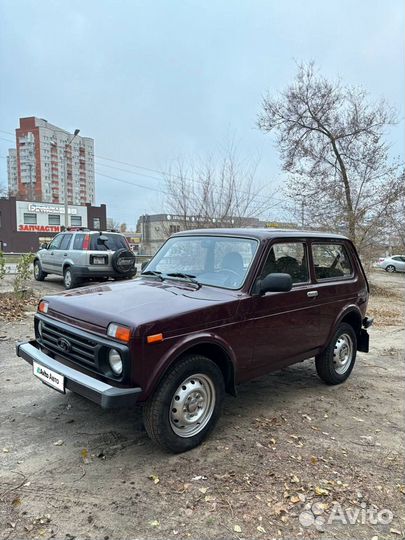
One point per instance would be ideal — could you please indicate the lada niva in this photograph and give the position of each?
(212, 309)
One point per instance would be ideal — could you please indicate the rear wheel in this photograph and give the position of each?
(390, 268)
(39, 274)
(186, 405)
(69, 279)
(336, 362)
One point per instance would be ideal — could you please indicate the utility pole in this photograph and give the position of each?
(302, 213)
(76, 132)
(31, 190)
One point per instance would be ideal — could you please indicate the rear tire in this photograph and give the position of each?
(336, 362)
(186, 405)
(69, 279)
(39, 274)
(390, 268)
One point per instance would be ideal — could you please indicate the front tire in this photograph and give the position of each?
(186, 405)
(390, 268)
(39, 274)
(336, 362)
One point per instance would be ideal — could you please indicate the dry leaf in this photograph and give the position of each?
(155, 479)
(154, 523)
(294, 479)
(321, 491)
(295, 499)
(85, 455)
(279, 507)
(237, 529)
(58, 443)
(314, 460)
(395, 531)
(261, 529)
(203, 490)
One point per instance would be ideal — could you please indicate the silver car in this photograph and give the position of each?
(80, 255)
(396, 263)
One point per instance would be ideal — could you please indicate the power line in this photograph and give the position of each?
(149, 169)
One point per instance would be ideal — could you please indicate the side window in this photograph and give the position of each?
(55, 244)
(78, 241)
(331, 261)
(66, 241)
(288, 258)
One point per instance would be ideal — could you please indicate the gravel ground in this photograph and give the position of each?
(287, 450)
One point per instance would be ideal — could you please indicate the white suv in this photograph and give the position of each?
(80, 255)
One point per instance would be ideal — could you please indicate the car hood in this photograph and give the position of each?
(142, 301)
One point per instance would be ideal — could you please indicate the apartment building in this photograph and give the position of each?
(43, 157)
(12, 171)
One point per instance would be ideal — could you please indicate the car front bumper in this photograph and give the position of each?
(103, 394)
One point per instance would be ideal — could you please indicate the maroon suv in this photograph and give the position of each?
(212, 309)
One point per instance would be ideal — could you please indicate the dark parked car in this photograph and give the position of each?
(212, 309)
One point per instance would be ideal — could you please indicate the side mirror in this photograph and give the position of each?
(274, 283)
(44, 246)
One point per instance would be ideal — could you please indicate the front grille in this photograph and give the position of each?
(72, 346)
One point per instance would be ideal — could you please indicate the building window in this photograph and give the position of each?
(54, 219)
(174, 228)
(30, 219)
(96, 223)
(76, 221)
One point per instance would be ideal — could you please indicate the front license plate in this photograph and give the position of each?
(56, 380)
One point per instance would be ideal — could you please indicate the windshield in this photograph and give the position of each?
(219, 261)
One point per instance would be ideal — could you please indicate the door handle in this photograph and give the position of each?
(65, 254)
(312, 294)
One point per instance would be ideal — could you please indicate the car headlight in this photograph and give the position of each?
(115, 361)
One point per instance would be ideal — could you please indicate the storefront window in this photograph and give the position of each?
(54, 219)
(30, 219)
(76, 221)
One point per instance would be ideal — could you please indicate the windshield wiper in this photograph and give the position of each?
(182, 275)
(153, 273)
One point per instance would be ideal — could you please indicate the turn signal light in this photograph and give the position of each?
(43, 306)
(154, 338)
(117, 331)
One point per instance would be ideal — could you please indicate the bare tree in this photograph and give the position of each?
(332, 143)
(216, 193)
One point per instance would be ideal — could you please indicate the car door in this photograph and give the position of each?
(62, 252)
(336, 281)
(399, 263)
(48, 257)
(284, 325)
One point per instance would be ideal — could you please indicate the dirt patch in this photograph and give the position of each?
(13, 308)
(286, 452)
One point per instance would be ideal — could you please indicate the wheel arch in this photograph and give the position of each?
(350, 315)
(213, 348)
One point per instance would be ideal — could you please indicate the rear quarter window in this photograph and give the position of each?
(331, 261)
(114, 242)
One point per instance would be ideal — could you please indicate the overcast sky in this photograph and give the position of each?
(154, 81)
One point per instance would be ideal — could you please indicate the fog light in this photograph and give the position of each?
(114, 358)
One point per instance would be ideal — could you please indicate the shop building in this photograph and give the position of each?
(25, 225)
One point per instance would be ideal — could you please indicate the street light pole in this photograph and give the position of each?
(76, 132)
